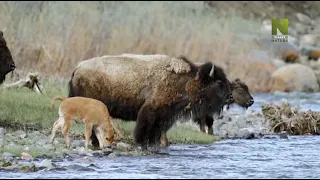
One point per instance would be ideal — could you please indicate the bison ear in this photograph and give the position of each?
(1, 33)
(205, 71)
(237, 80)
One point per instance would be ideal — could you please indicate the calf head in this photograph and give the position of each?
(241, 94)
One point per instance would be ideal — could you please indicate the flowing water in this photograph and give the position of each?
(295, 157)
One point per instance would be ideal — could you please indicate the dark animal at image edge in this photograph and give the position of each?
(156, 110)
(6, 62)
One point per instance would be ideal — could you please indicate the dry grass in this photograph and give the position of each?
(52, 37)
(285, 118)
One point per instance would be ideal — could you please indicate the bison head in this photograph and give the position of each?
(215, 91)
(241, 94)
(6, 62)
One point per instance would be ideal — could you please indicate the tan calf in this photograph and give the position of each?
(93, 113)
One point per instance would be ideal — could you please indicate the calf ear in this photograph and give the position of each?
(205, 71)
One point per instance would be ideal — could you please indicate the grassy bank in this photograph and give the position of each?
(53, 37)
(22, 109)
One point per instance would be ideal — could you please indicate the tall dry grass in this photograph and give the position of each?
(52, 37)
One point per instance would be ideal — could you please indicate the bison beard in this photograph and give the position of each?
(153, 118)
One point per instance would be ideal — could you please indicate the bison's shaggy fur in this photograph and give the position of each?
(6, 62)
(154, 90)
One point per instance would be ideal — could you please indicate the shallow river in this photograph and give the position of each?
(295, 157)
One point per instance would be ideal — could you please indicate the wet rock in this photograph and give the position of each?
(79, 168)
(7, 156)
(26, 156)
(93, 166)
(97, 153)
(2, 137)
(47, 164)
(27, 167)
(86, 169)
(57, 159)
(81, 149)
(112, 155)
(123, 146)
(4, 163)
(106, 151)
(294, 77)
(58, 169)
(43, 156)
(270, 137)
(84, 160)
(283, 135)
(78, 143)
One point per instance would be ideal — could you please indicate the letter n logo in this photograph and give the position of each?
(283, 28)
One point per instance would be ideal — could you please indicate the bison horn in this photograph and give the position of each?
(212, 71)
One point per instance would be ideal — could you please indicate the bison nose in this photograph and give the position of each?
(12, 66)
(251, 102)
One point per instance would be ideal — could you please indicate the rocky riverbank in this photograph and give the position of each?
(31, 151)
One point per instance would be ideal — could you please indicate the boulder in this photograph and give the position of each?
(262, 72)
(304, 19)
(294, 77)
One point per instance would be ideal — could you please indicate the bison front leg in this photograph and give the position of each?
(144, 125)
(202, 124)
(164, 140)
(209, 122)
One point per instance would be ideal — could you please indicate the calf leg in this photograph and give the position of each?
(88, 133)
(65, 130)
(100, 136)
(57, 124)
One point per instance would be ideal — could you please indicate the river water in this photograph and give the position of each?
(269, 157)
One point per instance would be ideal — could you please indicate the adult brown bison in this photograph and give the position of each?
(6, 62)
(154, 90)
(240, 95)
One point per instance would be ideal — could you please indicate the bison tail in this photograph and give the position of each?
(71, 91)
(56, 98)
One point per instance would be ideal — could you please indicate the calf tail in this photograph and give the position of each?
(56, 98)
